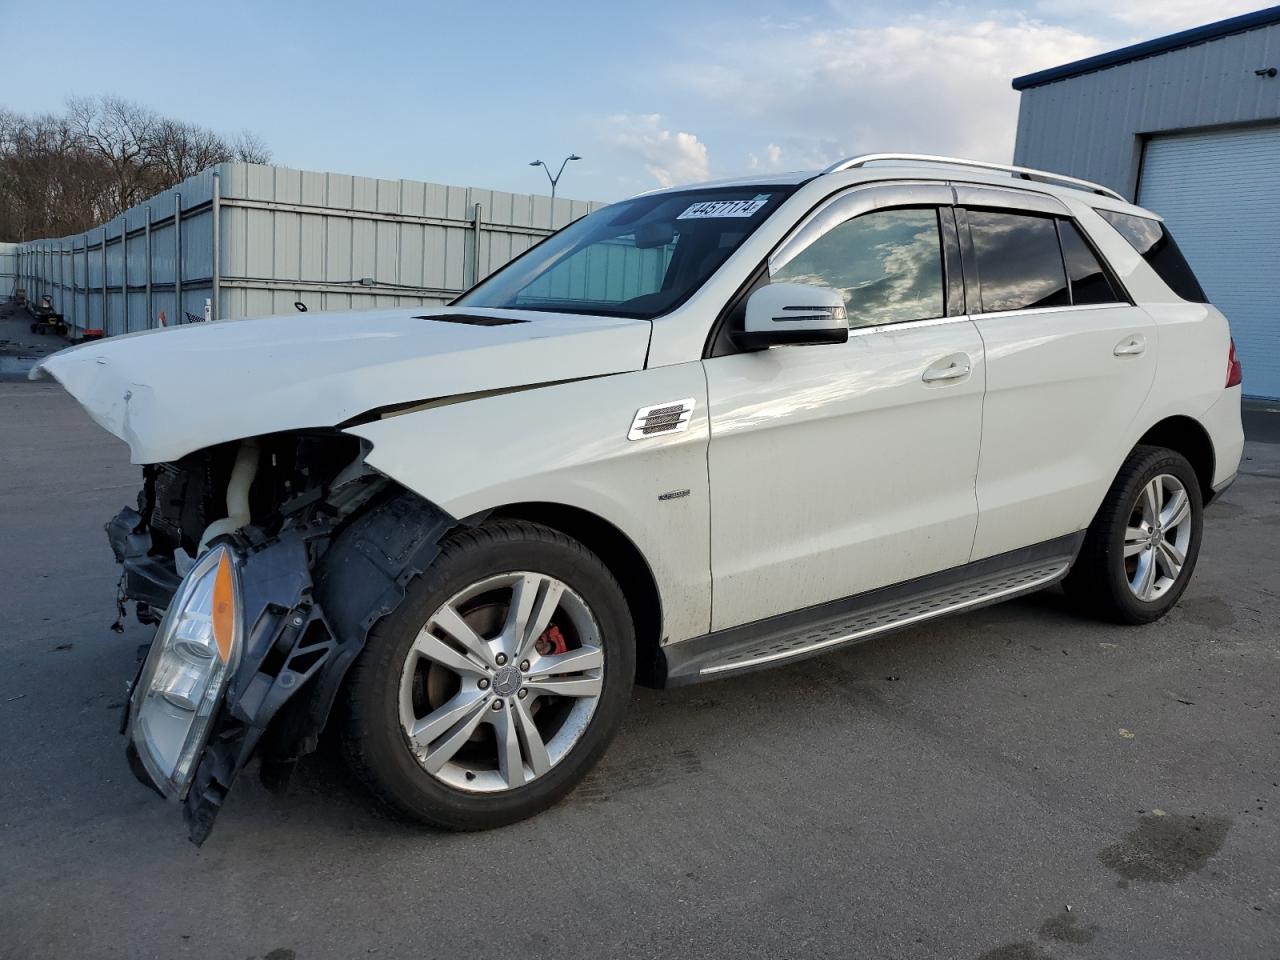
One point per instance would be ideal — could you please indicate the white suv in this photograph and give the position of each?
(702, 431)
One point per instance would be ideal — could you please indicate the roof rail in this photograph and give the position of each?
(1025, 173)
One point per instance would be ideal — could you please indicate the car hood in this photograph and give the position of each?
(171, 391)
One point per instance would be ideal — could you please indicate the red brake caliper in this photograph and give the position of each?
(552, 641)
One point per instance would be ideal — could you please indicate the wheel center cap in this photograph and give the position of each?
(506, 681)
(1156, 536)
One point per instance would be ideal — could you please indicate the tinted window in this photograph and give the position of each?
(1155, 243)
(1089, 281)
(887, 265)
(639, 258)
(1019, 262)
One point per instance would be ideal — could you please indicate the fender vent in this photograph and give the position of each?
(670, 417)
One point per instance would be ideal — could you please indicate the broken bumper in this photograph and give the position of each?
(297, 635)
(151, 581)
(281, 639)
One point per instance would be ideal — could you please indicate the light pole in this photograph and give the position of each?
(556, 179)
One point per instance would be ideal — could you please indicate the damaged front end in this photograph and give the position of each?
(264, 563)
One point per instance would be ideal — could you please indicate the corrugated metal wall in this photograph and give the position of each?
(1093, 126)
(8, 269)
(1220, 194)
(85, 275)
(331, 241)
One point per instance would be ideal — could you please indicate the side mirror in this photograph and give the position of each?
(786, 314)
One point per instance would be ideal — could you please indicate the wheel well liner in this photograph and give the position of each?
(363, 576)
(623, 558)
(1190, 439)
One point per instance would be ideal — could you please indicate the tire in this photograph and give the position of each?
(404, 681)
(1126, 571)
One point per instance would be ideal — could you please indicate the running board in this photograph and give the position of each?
(828, 626)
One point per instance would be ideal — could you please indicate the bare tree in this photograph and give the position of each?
(62, 173)
(119, 132)
(178, 150)
(250, 148)
(49, 184)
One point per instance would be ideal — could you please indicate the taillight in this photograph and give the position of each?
(1233, 366)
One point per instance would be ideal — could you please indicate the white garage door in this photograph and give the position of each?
(1220, 194)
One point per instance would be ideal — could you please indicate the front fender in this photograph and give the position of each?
(567, 443)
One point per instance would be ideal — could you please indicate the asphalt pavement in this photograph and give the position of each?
(19, 346)
(1013, 784)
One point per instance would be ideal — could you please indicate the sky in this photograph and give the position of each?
(649, 93)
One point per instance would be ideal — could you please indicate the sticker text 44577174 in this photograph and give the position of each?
(724, 208)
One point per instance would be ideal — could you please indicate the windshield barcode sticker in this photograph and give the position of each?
(725, 208)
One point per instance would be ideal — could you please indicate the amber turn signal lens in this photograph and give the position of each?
(224, 607)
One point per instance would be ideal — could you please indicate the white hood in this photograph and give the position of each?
(169, 392)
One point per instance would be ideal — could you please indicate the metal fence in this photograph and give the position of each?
(8, 269)
(251, 240)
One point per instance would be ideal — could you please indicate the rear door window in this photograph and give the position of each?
(1089, 280)
(1019, 261)
(1151, 239)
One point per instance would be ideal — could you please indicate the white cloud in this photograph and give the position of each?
(802, 92)
(772, 159)
(671, 158)
(1149, 17)
(924, 84)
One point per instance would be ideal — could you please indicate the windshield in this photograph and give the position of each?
(639, 258)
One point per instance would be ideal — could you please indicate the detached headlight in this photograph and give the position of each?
(196, 649)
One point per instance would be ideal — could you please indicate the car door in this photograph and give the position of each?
(1069, 363)
(839, 468)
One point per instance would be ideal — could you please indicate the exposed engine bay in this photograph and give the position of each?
(185, 504)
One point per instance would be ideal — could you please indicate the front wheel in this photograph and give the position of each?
(496, 684)
(1140, 550)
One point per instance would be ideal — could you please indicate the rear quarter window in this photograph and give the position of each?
(1089, 280)
(1156, 245)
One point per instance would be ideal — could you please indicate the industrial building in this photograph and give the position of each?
(253, 240)
(1187, 125)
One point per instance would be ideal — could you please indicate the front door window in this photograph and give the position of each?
(886, 264)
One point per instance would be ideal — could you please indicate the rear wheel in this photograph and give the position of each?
(1141, 549)
(497, 683)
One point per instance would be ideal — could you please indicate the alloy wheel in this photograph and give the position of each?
(1157, 537)
(501, 682)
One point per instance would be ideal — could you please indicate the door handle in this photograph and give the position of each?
(954, 367)
(1131, 346)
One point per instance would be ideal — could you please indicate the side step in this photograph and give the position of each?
(816, 630)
